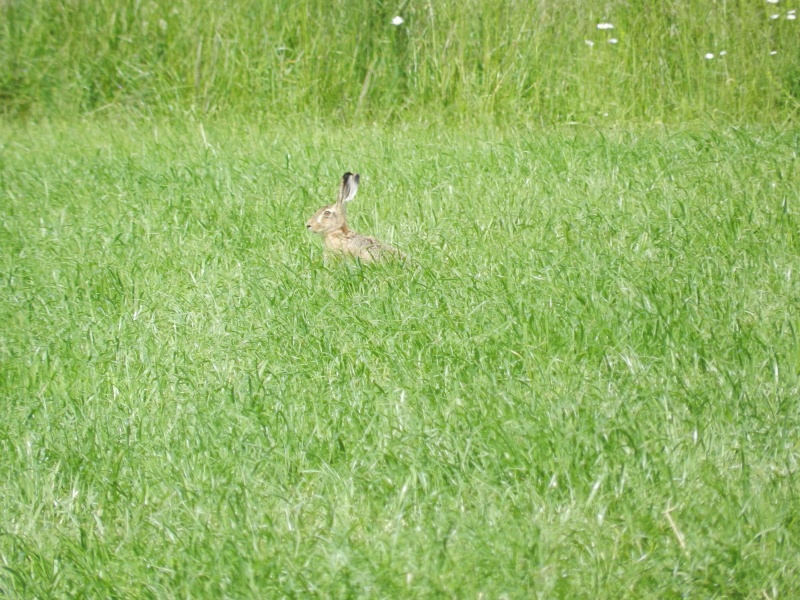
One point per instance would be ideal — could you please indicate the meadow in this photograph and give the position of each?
(506, 61)
(583, 383)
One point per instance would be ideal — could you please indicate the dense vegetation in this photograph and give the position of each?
(508, 61)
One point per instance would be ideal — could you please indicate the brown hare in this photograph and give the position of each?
(331, 223)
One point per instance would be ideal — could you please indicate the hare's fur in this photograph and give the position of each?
(331, 223)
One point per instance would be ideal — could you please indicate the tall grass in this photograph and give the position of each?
(584, 384)
(507, 61)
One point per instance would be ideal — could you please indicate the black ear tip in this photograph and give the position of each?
(348, 175)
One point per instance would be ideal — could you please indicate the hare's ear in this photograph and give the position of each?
(349, 187)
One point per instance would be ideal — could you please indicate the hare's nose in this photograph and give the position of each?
(308, 225)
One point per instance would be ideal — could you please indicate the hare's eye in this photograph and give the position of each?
(327, 213)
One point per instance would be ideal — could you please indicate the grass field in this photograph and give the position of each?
(506, 61)
(584, 383)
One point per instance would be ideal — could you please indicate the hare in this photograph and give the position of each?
(331, 223)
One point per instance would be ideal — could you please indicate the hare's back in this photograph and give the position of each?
(367, 247)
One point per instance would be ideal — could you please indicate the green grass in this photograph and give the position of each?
(461, 61)
(584, 384)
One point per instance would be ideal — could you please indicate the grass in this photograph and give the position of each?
(584, 384)
(462, 61)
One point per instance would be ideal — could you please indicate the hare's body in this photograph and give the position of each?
(331, 223)
(359, 246)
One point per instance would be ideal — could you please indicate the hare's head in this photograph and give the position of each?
(333, 217)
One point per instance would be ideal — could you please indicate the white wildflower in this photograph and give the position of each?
(772, 1)
(773, 53)
(398, 20)
(723, 52)
(589, 43)
(773, 17)
(613, 41)
(709, 56)
(605, 26)
(791, 16)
